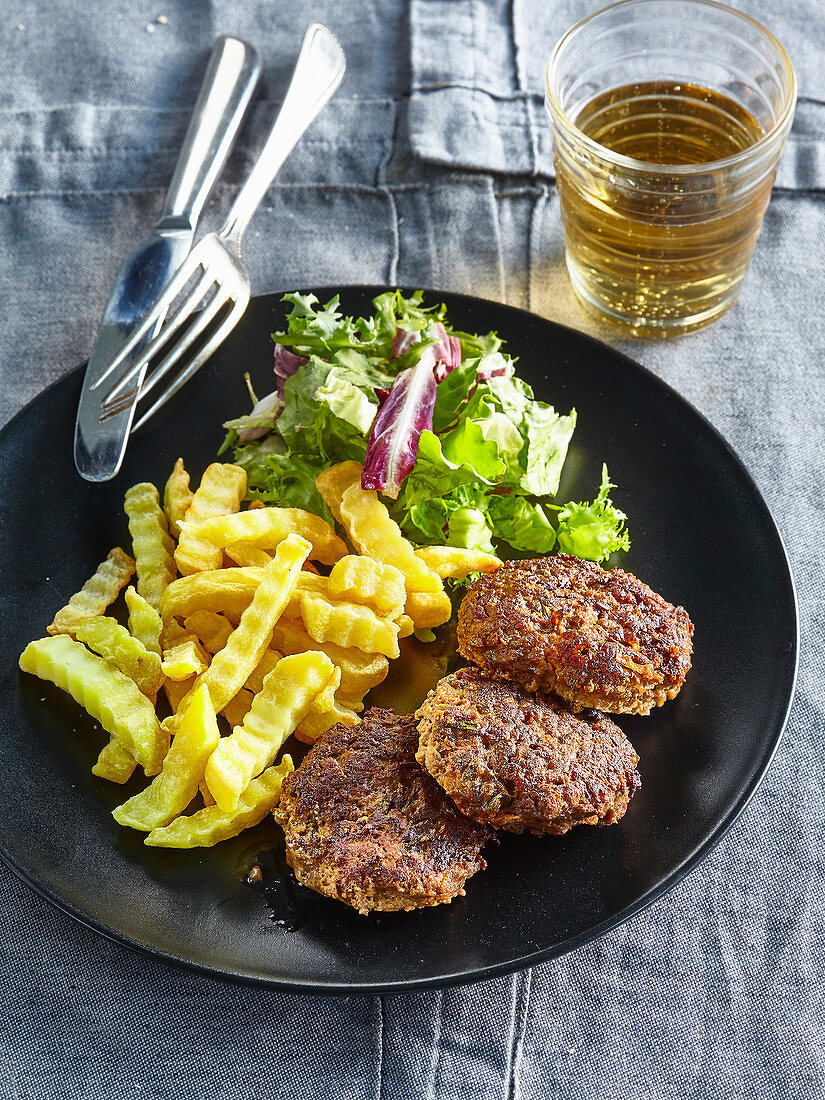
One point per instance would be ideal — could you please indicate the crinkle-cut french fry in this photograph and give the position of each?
(144, 621)
(455, 562)
(206, 794)
(185, 659)
(287, 694)
(405, 626)
(114, 643)
(114, 762)
(374, 533)
(100, 590)
(211, 629)
(172, 633)
(151, 543)
(348, 625)
(231, 666)
(359, 671)
(265, 528)
(177, 690)
(243, 553)
(365, 580)
(109, 696)
(211, 825)
(228, 591)
(237, 708)
(428, 609)
(317, 722)
(222, 488)
(173, 789)
(177, 497)
(269, 659)
(334, 482)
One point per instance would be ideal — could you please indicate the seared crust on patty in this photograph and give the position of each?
(517, 761)
(365, 824)
(560, 624)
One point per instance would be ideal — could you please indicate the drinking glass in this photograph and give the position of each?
(668, 119)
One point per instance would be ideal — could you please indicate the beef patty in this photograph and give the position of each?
(517, 761)
(365, 824)
(596, 638)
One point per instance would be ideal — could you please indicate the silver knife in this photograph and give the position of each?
(227, 89)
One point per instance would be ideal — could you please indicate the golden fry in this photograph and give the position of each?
(211, 629)
(151, 543)
(255, 680)
(173, 789)
(228, 591)
(428, 609)
(211, 825)
(365, 580)
(374, 533)
(287, 694)
(359, 671)
(222, 488)
(243, 553)
(265, 528)
(144, 621)
(206, 794)
(109, 696)
(114, 643)
(334, 482)
(97, 593)
(237, 708)
(231, 666)
(177, 690)
(317, 722)
(405, 626)
(185, 659)
(114, 762)
(456, 563)
(348, 625)
(177, 497)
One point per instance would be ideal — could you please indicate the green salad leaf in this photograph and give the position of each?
(595, 530)
(482, 458)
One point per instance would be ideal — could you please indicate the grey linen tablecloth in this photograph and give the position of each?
(432, 167)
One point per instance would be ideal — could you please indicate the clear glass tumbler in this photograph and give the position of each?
(668, 120)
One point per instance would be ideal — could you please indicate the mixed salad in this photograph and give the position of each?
(455, 442)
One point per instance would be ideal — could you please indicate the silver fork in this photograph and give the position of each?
(222, 279)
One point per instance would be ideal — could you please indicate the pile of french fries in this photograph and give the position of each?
(260, 616)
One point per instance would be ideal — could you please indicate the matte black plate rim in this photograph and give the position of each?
(543, 954)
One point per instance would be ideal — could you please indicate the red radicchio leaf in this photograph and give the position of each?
(403, 341)
(286, 363)
(392, 447)
(499, 368)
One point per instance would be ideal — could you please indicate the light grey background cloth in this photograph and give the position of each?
(432, 167)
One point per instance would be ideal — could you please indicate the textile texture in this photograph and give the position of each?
(431, 167)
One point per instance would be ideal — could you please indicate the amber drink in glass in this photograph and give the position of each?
(668, 120)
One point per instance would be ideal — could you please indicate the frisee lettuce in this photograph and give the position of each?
(466, 456)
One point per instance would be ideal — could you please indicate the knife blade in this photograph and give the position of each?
(226, 92)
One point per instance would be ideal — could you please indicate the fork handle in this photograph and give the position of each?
(227, 88)
(318, 72)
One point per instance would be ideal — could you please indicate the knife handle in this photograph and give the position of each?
(225, 94)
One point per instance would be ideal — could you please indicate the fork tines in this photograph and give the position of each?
(215, 302)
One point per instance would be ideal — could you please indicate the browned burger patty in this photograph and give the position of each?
(365, 824)
(517, 761)
(599, 639)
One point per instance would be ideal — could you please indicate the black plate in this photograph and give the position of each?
(702, 536)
